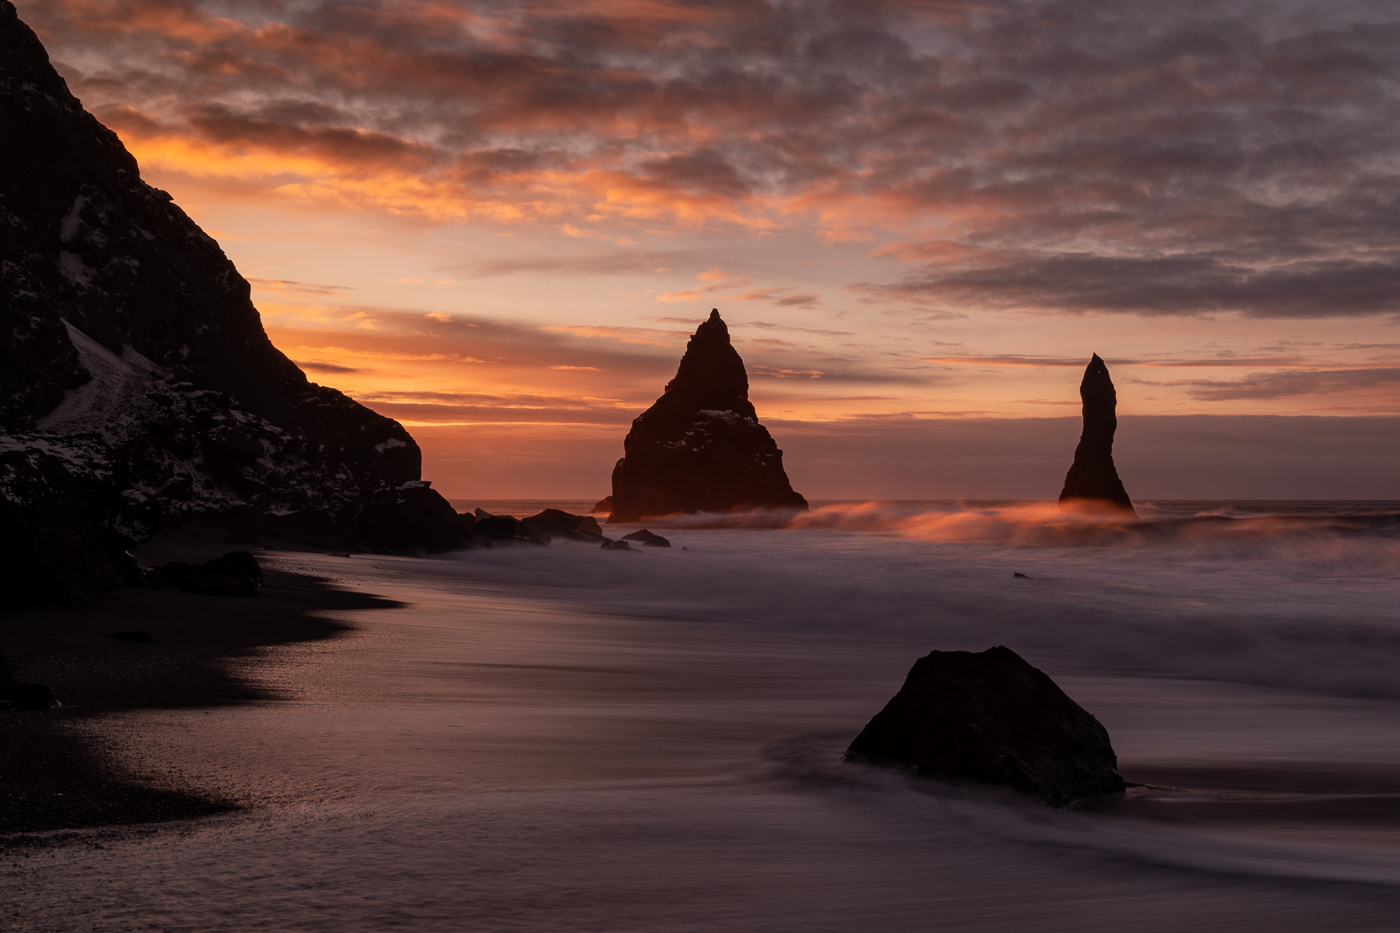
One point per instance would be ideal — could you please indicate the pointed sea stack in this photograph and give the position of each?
(700, 448)
(1092, 484)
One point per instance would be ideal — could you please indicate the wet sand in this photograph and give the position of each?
(568, 738)
(498, 756)
(60, 773)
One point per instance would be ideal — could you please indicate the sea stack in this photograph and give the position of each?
(700, 448)
(1092, 484)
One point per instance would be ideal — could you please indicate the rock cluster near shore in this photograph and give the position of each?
(138, 388)
(1092, 484)
(700, 447)
(991, 718)
(237, 573)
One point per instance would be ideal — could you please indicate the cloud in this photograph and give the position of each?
(1191, 158)
(717, 282)
(1013, 359)
(301, 289)
(785, 297)
(1178, 284)
(318, 366)
(647, 336)
(1291, 384)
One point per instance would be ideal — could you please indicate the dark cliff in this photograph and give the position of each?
(128, 337)
(1092, 483)
(700, 448)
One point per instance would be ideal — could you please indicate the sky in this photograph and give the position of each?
(499, 222)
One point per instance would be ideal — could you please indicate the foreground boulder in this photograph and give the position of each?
(1092, 484)
(700, 448)
(991, 718)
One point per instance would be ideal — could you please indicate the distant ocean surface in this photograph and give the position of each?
(568, 738)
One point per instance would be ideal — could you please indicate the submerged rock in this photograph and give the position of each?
(992, 718)
(1092, 484)
(700, 448)
(610, 545)
(649, 538)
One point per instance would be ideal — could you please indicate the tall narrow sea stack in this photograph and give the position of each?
(1092, 484)
(700, 448)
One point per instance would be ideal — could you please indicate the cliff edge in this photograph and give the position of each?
(133, 361)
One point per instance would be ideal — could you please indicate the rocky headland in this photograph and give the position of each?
(138, 388)
(700, 447)
(1092, 484)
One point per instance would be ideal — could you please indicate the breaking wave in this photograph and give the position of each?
(1356, 537)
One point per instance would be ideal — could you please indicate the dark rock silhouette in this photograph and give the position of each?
(413, 517)
(992, 718)
(128, 339)
(610, 545)
(601, 506)
(556, 523)
(508, 528)
(133, 636)
(23, 697)
(235, 574)
(247, 563)
(49, 549)
(649, 538)
(700, 448)
(1092, 484)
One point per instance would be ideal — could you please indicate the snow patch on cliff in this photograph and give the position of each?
(117, 390)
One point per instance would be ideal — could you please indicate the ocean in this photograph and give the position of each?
(571, 739)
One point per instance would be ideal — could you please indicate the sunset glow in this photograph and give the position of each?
(498, 223)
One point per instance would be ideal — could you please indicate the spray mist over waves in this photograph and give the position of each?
(1358, 537)
(1294, 595)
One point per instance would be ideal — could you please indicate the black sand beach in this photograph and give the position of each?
(58, 775)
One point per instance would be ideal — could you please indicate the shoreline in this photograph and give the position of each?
(57, 773)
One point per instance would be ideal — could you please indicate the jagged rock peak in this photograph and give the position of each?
(700, 447)
(711, 374)
(1092, 484)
